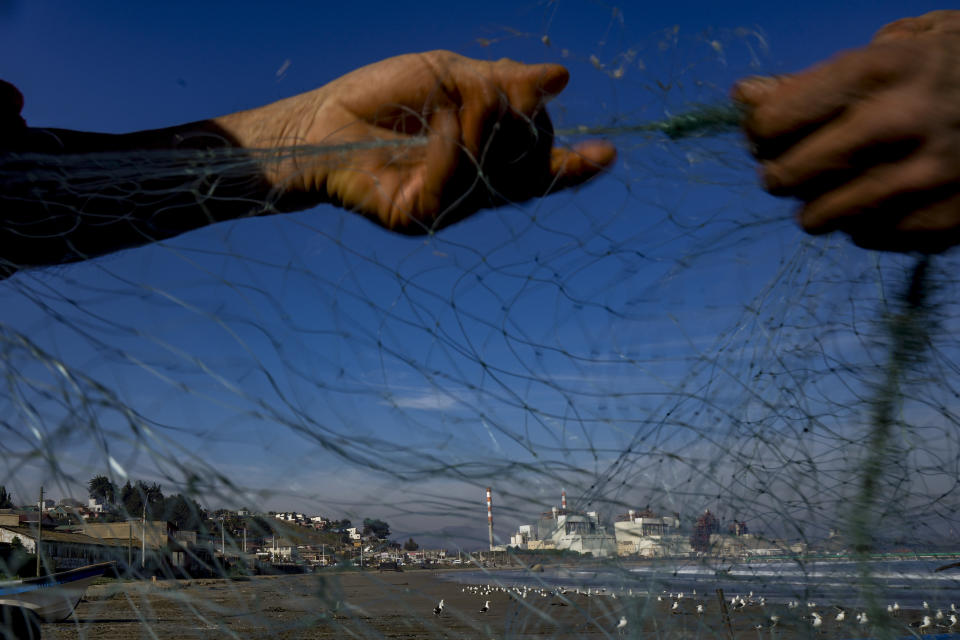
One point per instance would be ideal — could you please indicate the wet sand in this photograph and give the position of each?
(400, 605)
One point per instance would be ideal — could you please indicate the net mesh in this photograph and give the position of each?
(661, 343)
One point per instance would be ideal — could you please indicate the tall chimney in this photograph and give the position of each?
(563, 499)
(490, 516)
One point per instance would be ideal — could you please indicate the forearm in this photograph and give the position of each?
(67, 195)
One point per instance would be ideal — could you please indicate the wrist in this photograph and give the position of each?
(277, 137)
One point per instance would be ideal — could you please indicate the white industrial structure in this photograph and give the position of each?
(649, 534)
(567, 530)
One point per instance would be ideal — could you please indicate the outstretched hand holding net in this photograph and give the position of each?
(413, 142)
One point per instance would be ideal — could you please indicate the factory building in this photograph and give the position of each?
(567, 530)
(650, 535)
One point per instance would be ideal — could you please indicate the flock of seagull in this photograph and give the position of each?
(930, 620)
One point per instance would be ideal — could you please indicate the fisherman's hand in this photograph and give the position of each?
(489, 140)
(869, 141)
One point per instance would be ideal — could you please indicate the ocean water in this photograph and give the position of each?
(830, 582)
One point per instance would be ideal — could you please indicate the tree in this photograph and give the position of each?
(378, 528)
(185, 513)
(705, 525)
(102, 489)
(410, 545)
(134, 497)
(6, 499)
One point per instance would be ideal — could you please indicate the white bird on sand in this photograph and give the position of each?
(841, 616)
(700, 609)
(953, 621)
(939, 615)
(817, 620)
(774, 620)
(924, 624)
(926, 606)
(676, 606)
(896, 608)
(437, 610)
(862, 618)
(623, 623)
(485, 607)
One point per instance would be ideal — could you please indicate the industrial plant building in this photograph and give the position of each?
(567, 530)
(651, 535)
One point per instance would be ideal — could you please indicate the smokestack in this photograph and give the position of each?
(563, 499)
(490, 516)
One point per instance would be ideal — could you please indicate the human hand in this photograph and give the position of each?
(870, 140)
(489, 140)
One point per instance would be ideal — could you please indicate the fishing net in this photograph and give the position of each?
(662, 344)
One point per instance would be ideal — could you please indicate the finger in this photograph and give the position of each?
(572, 167)
(934, 229)
(441, 170)
(798, 102)
(838, 147)
(528, 87)
(943, 21)
(895, 189)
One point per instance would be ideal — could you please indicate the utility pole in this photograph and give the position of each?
(143, 538)
(223, 544)
(129, 545)
(39, 528)
(244, 540)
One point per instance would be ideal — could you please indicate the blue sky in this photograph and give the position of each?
(528, 346)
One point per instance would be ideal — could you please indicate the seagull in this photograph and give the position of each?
(817, 620)
(896, 609)
(675, 607)
(953, 621)
(939, 615)
(774, 620)
(700, 609)
(485, 607)
(623, 623)
(841, 616)
(922, 625)
(438, 609)
(863, 618)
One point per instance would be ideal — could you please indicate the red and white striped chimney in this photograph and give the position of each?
(490, 516)
(563, 499)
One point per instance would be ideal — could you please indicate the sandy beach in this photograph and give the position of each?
(401, 605)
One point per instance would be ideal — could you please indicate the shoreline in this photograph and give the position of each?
(400, 605)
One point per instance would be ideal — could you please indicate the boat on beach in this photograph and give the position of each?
(52, 597)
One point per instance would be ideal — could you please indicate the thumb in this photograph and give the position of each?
(570, 167)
